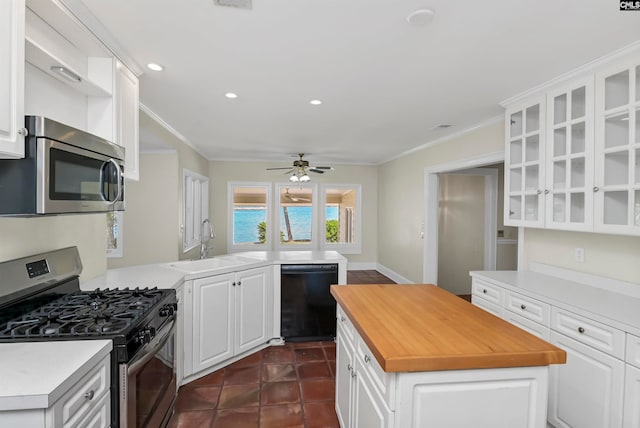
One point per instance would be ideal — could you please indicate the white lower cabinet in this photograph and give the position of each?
(344, 383)
(595, 388)
(632, 397)
(587, 392)
(369, 409)
(225, 315)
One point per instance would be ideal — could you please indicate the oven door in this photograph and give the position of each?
(72, 179)
(148, 383)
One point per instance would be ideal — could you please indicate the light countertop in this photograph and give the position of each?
(616, 309)
(33, 375)
(412, 328)
(173, 274)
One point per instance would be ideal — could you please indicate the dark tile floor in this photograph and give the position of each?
(281, 386)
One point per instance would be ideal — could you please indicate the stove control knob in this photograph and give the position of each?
(167, 310)
(143, 337)
(152, 332)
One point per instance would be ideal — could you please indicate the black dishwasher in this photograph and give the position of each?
(308, 311)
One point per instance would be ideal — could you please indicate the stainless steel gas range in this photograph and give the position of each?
(40, 300)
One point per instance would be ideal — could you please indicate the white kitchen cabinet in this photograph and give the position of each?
(252, 308)
(617, 142)
(524, 164)
(126, 100)
(12, 130)
(569, 157)
(632, 397)
(229, 315)
(213, 316)
(586, 392)
(359, 404)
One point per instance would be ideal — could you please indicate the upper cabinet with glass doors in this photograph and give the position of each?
(524, 168)
(569, 160)
(617, 158)
(577, 167)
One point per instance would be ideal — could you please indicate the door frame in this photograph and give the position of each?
(431, 198)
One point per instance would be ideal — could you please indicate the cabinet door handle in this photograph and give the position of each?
(239, 282)
(23, 131)
(353, 373)
(596, 188)
(484, 291)
(349, 367)
(523, 307)
(546, 191)
(234, 284)
(367, 359)
(580, 330)
(342, 319)
(89, 395)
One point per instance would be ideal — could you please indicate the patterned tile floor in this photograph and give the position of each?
(281, 386)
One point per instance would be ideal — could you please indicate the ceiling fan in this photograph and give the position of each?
(288, 197)
(299, 169)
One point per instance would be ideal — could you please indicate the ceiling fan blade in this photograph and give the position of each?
(288, 172)
(330, 168)
(273, 169)
(317, 171)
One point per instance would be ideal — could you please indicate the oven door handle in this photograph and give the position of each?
(151, 349)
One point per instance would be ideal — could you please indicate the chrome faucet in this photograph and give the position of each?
(204, 243)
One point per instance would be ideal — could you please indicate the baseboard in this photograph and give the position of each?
(362, 266)
(393, 275)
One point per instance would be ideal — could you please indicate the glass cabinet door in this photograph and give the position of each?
(569, 164)
(524, 174)
(617, 157)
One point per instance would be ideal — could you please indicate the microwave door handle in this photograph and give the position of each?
(119, 178)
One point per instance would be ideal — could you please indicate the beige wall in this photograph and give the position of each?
(221, 172)
(401, 196)
(186, 158)
(151, 218)
(20, 237)
(400, 202)
(612, 256)
(460, 230)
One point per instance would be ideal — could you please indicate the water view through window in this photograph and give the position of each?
(247, 219)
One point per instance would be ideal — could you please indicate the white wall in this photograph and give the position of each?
(221, 172)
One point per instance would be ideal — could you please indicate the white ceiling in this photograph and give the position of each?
(384, 83)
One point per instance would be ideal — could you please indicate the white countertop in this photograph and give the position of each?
(33, 375)
(616, 309)
(173, 274)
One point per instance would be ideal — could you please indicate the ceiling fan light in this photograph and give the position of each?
(305, 178)
(294, 178)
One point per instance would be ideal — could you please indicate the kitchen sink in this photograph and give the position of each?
(219, 262)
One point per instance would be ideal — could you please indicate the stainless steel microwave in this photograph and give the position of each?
(65, 170)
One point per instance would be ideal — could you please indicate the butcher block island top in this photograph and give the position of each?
(421, 327)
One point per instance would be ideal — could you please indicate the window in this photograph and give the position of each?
(195, 208)
(249, 216)
(296, 216)
(340, 213)
(114, 234)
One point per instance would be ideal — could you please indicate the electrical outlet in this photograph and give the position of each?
(579, 255)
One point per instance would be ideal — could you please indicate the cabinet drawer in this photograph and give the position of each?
(487, 305)
(529, 308)
(81, 398)
(99, 415)
(633, 350)
(344, 321)
(593, 333)
(383, 381)
(526, 324)
(487, 291)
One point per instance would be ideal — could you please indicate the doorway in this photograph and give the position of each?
(467, 223)
(503, 235)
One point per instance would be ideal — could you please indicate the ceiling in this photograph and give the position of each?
(384, 84)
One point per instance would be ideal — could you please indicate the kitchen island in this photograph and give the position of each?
(418, 356)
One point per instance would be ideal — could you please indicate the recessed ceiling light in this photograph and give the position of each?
(231, 95)
(155, 67)
(315, 102)
(420, 17)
